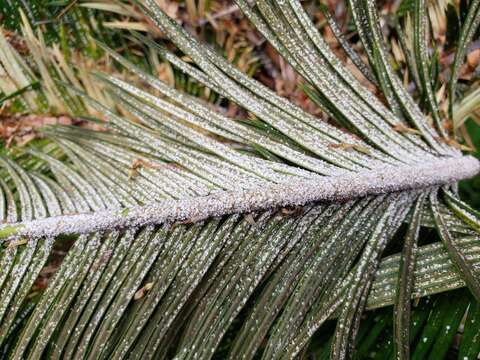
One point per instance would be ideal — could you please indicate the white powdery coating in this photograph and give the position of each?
(296, 193)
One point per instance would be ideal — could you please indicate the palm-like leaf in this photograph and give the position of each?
(184, 216)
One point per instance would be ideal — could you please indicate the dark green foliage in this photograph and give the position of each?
(470, 189)
(442, 328)
(453, 26)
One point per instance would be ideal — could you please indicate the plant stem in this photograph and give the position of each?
(295, 193)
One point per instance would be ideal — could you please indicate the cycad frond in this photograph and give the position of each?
(191, 226)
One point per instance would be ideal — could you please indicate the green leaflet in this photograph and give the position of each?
(365, 11)
(470, 274)
(435, 330)
(467, 32)
(405, 284)
(421, 56)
